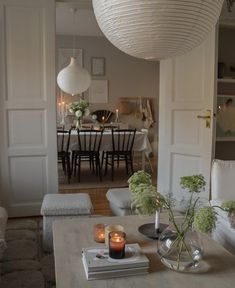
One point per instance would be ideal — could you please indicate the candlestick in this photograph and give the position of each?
(62, 113)
(116, 115)
(157, 216)
(59, 109)
(99, 233)
(117, 241)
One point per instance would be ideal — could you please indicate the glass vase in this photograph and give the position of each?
(179, 246)
(78, 123)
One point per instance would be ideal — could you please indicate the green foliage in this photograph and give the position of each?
(228, 206)
(205, 219)
(194, 183)
(139, 177)
(146, 200)
(145, 196)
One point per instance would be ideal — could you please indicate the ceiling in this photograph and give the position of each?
(82, 22)
(85, 22)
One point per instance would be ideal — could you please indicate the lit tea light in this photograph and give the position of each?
(117, 241)
(99, 233)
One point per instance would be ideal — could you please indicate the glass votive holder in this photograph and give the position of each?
(117, 241)
(110, 228)
(99, 233)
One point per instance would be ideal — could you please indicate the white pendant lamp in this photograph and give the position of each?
(156, 29)
(73, 79)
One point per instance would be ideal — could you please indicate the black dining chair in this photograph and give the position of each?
(122, 150)
(88, 149)
(63, 153)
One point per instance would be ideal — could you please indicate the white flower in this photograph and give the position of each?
(94, 117)
(78, 113)
(71, 110)
(87, 112)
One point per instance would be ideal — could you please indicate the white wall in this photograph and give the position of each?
(127, 76)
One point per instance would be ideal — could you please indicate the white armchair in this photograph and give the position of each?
(222, 189)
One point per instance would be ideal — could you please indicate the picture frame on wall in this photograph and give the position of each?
(97, 66)
(98, 91)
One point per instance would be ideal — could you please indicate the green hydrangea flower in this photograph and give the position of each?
(205, 219)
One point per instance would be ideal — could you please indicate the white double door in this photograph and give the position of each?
(187, 93)
(28, 156)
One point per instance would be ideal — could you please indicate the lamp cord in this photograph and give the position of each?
(74, 27)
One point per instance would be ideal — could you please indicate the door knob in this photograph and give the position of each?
(207, 117)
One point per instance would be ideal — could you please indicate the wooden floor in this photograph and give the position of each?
(98, 198)
(97, 189)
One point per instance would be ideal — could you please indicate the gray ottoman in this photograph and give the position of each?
(62, 206)
(119, 201)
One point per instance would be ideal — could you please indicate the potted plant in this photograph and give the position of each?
(179, 245)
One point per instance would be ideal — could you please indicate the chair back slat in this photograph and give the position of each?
(89, 140)
(123, 140)
(63, 140)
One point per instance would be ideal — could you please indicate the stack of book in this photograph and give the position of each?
(98, 265)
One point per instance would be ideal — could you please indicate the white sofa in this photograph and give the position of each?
(222, 189)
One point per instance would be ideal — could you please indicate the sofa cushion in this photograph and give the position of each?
(222, 180)
(66, 204)
(120, 197)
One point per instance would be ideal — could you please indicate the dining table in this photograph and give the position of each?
(141, 143)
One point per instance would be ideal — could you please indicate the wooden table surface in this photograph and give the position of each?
(71, 235)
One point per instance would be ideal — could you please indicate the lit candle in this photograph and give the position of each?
(117, 115)
(103, 119)
(117, 241)
(110, 228)
(157, 221)
(99, 233)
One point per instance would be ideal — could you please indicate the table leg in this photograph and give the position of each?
(143, 160)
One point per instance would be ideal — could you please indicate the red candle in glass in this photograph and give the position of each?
(117, 241)
(99, 233)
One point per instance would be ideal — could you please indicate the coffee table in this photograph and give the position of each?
(71, 235)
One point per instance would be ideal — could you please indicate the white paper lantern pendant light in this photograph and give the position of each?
(73, 79)
(156, 29)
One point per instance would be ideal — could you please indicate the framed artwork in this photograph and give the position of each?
(225, 122)
(98, 91)
(64, 55)
(97, 66)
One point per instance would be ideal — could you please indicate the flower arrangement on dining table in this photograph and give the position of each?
(79, 109)
(202, 218)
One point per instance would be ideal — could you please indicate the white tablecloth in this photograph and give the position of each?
(141, 142)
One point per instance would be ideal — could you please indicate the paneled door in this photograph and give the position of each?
(187, 91)
(28, 156)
